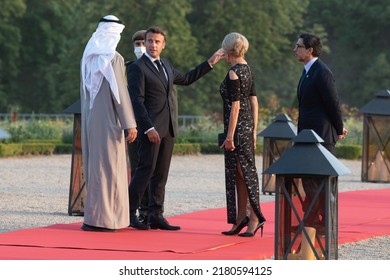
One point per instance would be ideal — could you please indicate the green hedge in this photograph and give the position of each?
(210, 148)
(348, 151)
(186, 149)
(30, 148)
(63, 148)
(10, 150)
(36, 147)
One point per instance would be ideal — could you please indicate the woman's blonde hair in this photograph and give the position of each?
(235, 44)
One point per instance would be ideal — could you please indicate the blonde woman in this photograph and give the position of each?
(240, 110)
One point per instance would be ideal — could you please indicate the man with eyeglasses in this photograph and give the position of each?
(319, 110)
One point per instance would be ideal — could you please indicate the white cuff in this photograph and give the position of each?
(146, 132)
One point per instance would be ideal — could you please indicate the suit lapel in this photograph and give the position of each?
(305, 77)
(152, 68)
(300, 83)
(313, 68)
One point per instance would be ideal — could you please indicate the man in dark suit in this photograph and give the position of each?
(138, 44)
(319, 107)
(319, 110)
(138, 40)
(151, 80)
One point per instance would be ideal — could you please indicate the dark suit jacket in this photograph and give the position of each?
(319, 107)
(153, 101)
(153, 105)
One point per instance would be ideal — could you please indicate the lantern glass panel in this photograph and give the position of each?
(272, 150)
(376, 150)
(306, 217)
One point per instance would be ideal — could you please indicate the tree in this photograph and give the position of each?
(270, 27)
(49, 35)
(359, 40)
(376, 77)
(181, 48)
(10, 45)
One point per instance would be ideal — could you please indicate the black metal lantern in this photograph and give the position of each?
(306, 200)
(376, 139)
(277, 139)
(77, 192)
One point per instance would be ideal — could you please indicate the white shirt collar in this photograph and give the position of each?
(310, 63)
(151, 58)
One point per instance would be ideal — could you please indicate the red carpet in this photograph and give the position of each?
(362, 214)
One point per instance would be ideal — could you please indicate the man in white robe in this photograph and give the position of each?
(106, 111)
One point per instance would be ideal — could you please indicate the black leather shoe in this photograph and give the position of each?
(161, 223)
(86, 227)
(135, 223)
(143, 218)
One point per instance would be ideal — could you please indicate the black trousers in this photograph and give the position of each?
(151, 174)
(132, 149)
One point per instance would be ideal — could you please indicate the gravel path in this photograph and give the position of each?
(34, 192)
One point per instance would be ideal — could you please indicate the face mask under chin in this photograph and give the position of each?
(139, 51)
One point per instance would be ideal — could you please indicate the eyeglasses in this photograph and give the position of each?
(300, 46)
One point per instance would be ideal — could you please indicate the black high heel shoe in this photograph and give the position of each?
(251, 234)
(235, 231)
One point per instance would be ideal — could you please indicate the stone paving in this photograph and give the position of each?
(34, 192)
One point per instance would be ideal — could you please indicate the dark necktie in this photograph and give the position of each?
(160, 70)
(303, 74)
(300, 82)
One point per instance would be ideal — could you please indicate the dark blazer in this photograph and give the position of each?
(152, 98)
(153, 104)
(319, 107)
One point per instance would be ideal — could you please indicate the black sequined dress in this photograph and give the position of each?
(241, 90)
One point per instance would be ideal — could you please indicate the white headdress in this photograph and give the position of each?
(97, 57)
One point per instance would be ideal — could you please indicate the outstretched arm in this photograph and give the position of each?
(199, 71)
